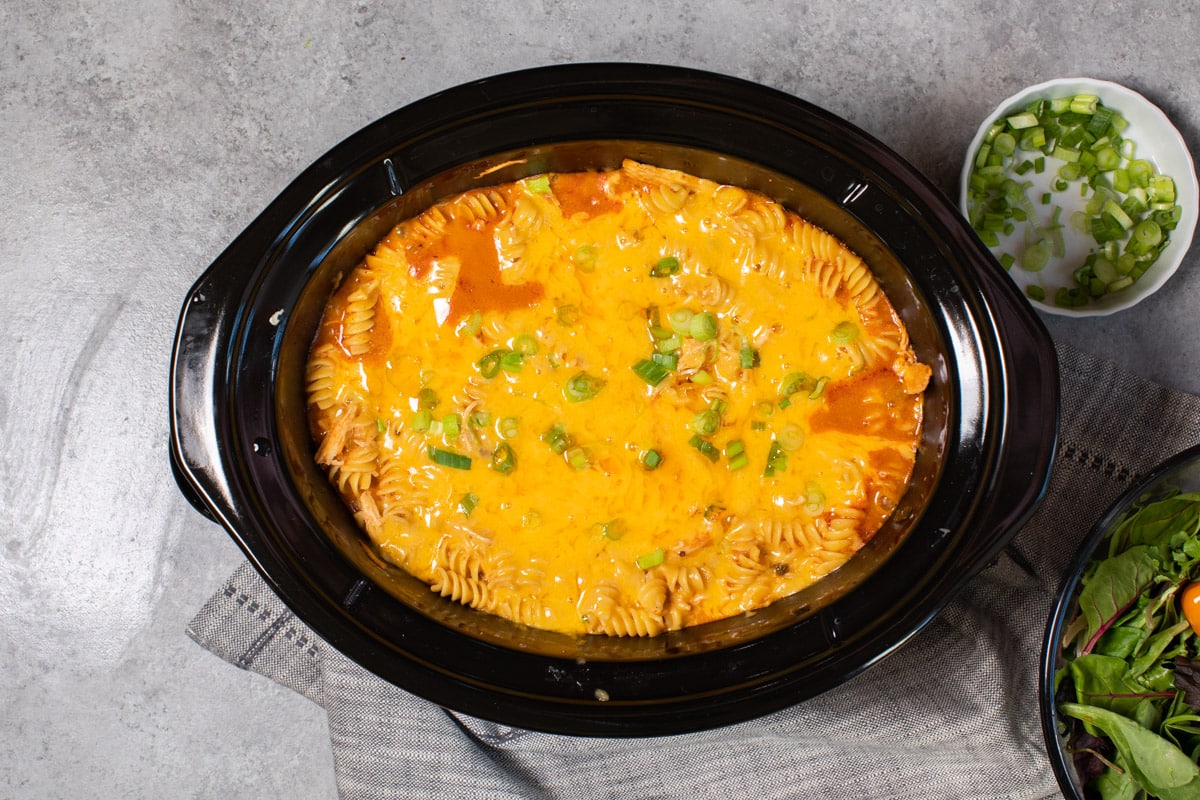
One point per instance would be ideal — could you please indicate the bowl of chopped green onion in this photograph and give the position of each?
(1120, 672)
(1085, 193)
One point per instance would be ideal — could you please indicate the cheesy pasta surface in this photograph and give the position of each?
(617, 402)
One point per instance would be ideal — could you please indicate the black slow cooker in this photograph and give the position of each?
(242, 453)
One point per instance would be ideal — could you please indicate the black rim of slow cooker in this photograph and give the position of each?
(383, 160)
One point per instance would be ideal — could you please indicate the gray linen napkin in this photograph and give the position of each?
(951, 715)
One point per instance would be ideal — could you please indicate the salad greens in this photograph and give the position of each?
(1130, 681)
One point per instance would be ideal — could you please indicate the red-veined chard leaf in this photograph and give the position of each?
(1113, 588)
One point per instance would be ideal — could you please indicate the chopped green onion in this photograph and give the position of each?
(451, 426)
(479, 418)
(1140, 171)
(706, 422)
(1084, 104)
(793, 382)
(504, 459)
(613, 530)
(701, 378)
(448, 458)
(660, 334)
(748, 358)
(777, 460)
(511, 361)
(819, 388)
(538, 185)
(652, 559)
(467, 503)
(668, 360)
(558, 439)
(814, 498)
(651, 372)
(577, 457)
(1035, 257)
(585, 258)
(791, 437)
(679, 319)
(668, 345)
(651, 459)
(422, 420)
(1023, 120)
(1148, 233)
(489, 365)
(427, 399)
(1124, 190)
(665, 267)
(508, 427)
(845, 333)
(582, 386)
(567, 314)
(381, 425)
(703, 326)
(735, 451)
(469, 326)
(526, 345)
(706, 448)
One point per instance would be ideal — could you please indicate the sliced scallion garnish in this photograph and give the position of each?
(427, 399)
(507, 427)
(651, 372)
(525, 344)
(586, 257)
(777, 460)
(504, 459)
(665, 267)
(582, 386)
(652, 559)
(468, 503)
(448, 458)
(707, 422)
(567, 314)
(706, 448)
(558, 439)
(538, 185)
(703, 326)
(1088, 139)
(844, 333)
(735, 451)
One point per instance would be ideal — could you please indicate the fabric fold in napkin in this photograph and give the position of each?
(953, 714)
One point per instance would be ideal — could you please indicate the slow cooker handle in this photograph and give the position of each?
(1030, 424)
(197, 384)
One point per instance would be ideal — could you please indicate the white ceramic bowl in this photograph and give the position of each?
(1157, 141)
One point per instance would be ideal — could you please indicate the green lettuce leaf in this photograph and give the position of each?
(1158, 766)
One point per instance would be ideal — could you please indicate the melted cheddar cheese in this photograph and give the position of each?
(615, 402)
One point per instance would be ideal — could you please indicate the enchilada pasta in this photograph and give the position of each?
(618, 402)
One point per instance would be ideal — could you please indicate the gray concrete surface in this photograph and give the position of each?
(140, 136)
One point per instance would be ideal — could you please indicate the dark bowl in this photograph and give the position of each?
(242, 453)
(1180, 472)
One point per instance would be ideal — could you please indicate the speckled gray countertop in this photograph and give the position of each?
(140, 136)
